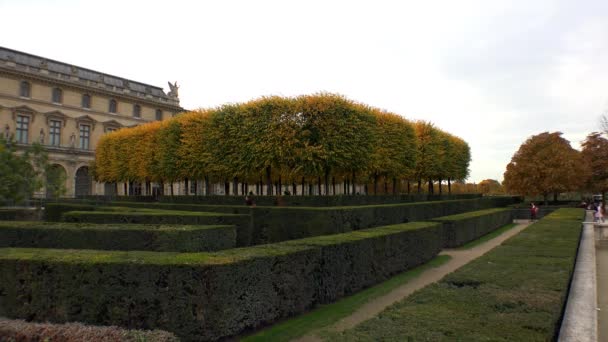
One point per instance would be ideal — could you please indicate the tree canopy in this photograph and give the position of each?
(545, 164)
(312, 138)
(595, 154)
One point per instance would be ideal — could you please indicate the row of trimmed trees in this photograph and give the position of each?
(546, 164)
(310, 140)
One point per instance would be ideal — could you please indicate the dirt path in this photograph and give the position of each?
(459, 259)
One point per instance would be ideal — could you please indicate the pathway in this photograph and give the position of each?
(459, 259)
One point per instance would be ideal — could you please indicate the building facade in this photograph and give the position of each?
(67, 109)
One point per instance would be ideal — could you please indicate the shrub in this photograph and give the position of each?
(462, 228)
(183, 238)
(206, 296)
(516, 292)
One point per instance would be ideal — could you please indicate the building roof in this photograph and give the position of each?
(26, 62)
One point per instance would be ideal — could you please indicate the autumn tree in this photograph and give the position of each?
(544, 164)
(595, 154)
(491, 186)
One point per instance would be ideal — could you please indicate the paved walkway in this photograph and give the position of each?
(459, 259)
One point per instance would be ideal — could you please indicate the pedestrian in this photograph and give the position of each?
(599, 213)
(533, 212)
(249, 200)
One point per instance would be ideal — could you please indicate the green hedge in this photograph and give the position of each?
(271, 224)
(308, 201)
(206, 296)
(182, 238)
(462, 228)
(53, 211)
(516, 292)
(113, 215)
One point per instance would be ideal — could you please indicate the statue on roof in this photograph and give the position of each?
(173, 89)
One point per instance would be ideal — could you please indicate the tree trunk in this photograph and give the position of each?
(303, 185)
(171, 187)
(333, 185)
(280, 191)
(449, 186)
(419, 185)
(394, 186)
(268, 182)
(375, 183)
(310, 188)
(366, 189)
(226, 188)
(354, 182)
(319, 185)
(408, 187)
(125, 189)
(294, 189)
(440, 190)
(326, 183)
(207, 186)
(430, 186)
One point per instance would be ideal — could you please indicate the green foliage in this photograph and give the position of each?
(516, 292)
(462, 228)
(21, 174)
(178, 238)
(207, 296)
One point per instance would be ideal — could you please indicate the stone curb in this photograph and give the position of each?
(580, 317)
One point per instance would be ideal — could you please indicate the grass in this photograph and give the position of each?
(516, 292)
(487, 237)
(329, 314)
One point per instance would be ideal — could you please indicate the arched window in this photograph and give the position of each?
(113, 105)
(24, 89)
(57, 95)
(159, 114)
(86, 101)
(137, 111)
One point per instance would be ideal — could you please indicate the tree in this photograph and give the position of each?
(595, 154)
(545, 164)
(21, 174)
(491, 186)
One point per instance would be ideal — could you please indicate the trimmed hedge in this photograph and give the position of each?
(54, 210)
(308, 201)
(206, 296)
(181, 238)
(22, 331)
(20, 214)
(462, 228)
(279, 224)
(516, 292)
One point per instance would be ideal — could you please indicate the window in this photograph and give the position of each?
(159, 114)
(112, 107)
(86, 101)
(137, 111)
(57, 95)
(24, 90)
(55, 133)
(23, 125)
(110, 129)
(85, 134)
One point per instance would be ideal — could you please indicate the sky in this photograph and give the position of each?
(491, 72)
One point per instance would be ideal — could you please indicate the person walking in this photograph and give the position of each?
(533, 212)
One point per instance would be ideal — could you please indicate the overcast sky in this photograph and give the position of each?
(491, 72)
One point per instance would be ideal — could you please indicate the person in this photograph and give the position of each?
(249, 200)
(599, 213)
(533, 212)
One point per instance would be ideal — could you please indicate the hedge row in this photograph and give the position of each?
(22, 331)
(516, 292)
(206, 296)
(182, 238)
(19, 214)
(279, 224)
(163, 217)
(462, 228)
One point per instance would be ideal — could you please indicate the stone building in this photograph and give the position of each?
(67, 109)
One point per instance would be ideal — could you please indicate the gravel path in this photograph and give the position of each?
(459, 259)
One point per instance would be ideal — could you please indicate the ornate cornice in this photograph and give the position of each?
(56, 115)
(85, 119)
(87, 87)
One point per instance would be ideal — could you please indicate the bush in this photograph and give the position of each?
(516, 292)
(19, 330)
(462, 228)
(286, 223)
(206, 296)
(168, 238)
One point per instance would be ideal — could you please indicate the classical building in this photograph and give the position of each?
(67, 109)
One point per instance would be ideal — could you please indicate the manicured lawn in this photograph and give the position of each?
(515, 292)
(326, 315)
